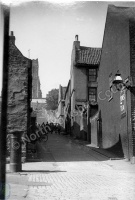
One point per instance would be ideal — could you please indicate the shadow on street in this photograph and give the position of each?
(60, 148)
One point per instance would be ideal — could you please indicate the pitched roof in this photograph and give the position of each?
(88, 55)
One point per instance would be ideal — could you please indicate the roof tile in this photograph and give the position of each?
(87, 55)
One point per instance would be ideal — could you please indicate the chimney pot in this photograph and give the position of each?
(12, 37)
(76, 38)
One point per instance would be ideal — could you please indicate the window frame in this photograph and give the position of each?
(92, 77)
(95, 94)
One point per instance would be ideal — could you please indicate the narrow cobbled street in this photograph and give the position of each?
(62, 170)
(67, 70)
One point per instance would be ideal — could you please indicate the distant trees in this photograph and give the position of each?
(52, 99)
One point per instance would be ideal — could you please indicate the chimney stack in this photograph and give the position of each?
(77, 42)
(12, 37)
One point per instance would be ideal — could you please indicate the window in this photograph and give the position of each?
(92, 94)
(92, 76)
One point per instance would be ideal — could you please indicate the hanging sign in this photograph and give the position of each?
(123, 103)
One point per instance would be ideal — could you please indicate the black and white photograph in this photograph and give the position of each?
(67, 100)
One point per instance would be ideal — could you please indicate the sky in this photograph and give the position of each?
(48, 29)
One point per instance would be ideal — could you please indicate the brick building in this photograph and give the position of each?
(83, 82)
(36, 91)
(118, 53)
(19, 97)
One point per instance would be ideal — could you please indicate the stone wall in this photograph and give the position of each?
(19, 89)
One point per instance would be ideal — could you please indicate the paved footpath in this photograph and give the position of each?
(64, 171)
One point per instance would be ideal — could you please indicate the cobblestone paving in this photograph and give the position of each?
(69, 173)
(99, 183)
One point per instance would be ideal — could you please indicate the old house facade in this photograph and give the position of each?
(118, 54)
(83, 76)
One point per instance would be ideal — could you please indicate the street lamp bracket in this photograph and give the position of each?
(120, 84)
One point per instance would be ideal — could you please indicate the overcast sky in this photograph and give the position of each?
(49, 29)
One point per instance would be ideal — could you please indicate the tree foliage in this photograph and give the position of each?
(52, 99)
